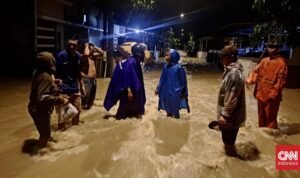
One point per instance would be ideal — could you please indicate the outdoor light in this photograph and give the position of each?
(137, 31)
(182, 15)
(84, 18)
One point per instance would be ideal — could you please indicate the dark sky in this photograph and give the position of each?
(201, 16)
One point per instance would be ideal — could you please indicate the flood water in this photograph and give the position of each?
(153, 146)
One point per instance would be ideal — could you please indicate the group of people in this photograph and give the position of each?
(127, 85)
(62, 81)
(269, 77)
(70, 78)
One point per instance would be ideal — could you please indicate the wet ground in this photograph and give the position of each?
(154, 146)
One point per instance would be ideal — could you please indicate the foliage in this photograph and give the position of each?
(140, 5)
(170, 40)
(124, 9)
(259, 32)
(131, 8)
(277, 16)
(191, 44)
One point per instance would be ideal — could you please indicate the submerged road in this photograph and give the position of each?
(154, 146)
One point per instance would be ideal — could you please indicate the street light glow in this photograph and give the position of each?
(182, 15)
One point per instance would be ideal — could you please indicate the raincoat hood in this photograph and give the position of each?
(174, 56)
(45, 62)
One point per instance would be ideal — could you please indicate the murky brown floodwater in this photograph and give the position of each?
(154, 146)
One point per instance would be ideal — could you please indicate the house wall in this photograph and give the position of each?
(52, 8)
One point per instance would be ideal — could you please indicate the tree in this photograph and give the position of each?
(278, 16)
(259, 32)
(136, 7)
(191, 45)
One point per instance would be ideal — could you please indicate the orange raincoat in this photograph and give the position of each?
(270, 78)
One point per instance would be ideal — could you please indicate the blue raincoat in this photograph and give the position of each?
(172, 88)
(127, 74)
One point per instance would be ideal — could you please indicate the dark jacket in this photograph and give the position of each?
(231, 99)
(43, 93)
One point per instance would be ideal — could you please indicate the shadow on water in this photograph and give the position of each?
(108, 116)
(248, 151)
(179, 132)
(203, 67)
(30, 146)
(290, 128)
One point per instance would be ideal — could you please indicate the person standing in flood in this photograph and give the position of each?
(88, 72)
(43, 96)
(68, 70)
(269, 77)
(231, 107)
(172, 88)
(127, 85)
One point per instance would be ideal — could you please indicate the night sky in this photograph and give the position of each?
(201, 16)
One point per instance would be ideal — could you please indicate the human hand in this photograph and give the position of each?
(130, 95)
(222, 120)
(82, 91)
(248, 82)
(57, 82)
(156, 92)
(272, 98)
(65, 101)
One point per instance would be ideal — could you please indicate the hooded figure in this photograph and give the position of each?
(127, 86)
(172, 88)
(43, 96)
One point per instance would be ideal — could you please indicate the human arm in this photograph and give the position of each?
(79, 76)
(82, 88)
(161, 81)
(183, 83)
(98, 50)
(83, 74)
(280, 81)
(56, 81)
(252, 78)
(86, 51)
(47, 91)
